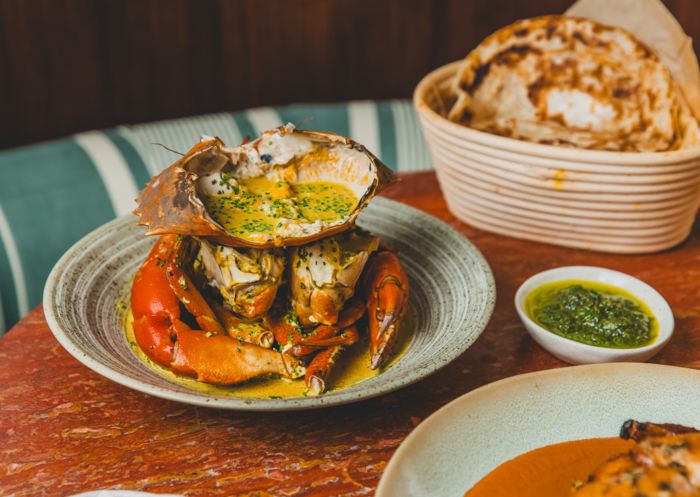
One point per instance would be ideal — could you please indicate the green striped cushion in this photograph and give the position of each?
(53, 193)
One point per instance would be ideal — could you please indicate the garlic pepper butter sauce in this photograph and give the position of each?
(297, 191)
(260, 205)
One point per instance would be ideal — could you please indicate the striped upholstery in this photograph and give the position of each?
(51, 194)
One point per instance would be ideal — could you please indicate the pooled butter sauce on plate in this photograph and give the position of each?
(352, 367)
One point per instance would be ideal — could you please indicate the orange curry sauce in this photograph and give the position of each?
(549, 471)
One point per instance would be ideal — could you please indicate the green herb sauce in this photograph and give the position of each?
(592, 313)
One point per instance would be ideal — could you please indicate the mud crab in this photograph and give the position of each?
(225, 303)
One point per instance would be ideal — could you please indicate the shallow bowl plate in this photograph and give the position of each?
(452, 298)
(462, 442)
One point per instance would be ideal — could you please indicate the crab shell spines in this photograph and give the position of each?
(169, 203)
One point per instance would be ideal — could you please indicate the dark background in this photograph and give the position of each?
(72, 65)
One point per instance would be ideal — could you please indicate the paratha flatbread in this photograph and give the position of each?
(574, 82)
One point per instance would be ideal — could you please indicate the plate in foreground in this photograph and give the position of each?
(462, 442)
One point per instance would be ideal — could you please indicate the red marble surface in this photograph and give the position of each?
(65, 429)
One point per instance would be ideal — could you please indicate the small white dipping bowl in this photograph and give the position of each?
(580, 353)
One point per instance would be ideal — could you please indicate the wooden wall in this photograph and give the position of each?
(71, 65)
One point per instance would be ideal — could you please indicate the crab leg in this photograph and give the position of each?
(348, 336)
(327, 337)
(351, 313)
(223, 360)
(321, 332)
(254, 333)
(387, 296)
(260, 303)
(187, 293)
(287, 332)
(319, 336)
(319, 369)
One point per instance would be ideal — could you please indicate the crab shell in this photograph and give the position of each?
(170, 202)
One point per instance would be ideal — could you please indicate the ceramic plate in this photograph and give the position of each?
(462, 442)
(452, 298)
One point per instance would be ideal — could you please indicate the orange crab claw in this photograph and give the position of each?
(150, 293)
(387, 296)
(223, 360)
(152, 334)
(319, 369)
(154, 306)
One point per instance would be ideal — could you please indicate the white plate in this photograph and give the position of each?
(452, 298)
(462, 442)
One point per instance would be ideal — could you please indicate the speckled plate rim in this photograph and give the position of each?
(340, 397)
(441, 419)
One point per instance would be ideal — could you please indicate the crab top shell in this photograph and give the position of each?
(171, 202)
